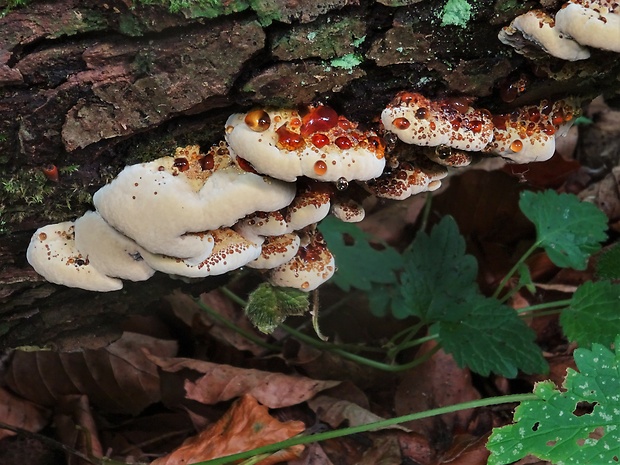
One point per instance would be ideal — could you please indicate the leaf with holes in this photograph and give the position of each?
(593, 314)
(569, 230)
(360, 260)
(577, 425)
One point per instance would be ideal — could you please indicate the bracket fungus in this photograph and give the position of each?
(320, 145)
(53, 254)
(185, 197)
(242, 204)
(537, 28)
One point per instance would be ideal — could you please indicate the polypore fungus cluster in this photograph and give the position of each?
(577, 25)
(254, 199)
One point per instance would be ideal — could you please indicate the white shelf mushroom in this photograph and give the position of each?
(321, 145)
(163, 193)
(109, 251)
(539, 29)
(593, 23)
(276, 250)
(53, 254)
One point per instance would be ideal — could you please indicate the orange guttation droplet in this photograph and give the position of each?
(534, 115)
(558, 118)
(318, 119)
(42, 236)
(319, 140)
(207, 162)
(245, 165)
(181, 164)
(288, 139)
(320, 167)
(499, 121)
(343, 143)
(516, 145)
(51, 172)
(258, 120)
(549, 130)
(460, 104)
(476, 126)
(433, 126)
(422, 113)
(456, 123)
(401, 123)
(305, 285)
(376, 144)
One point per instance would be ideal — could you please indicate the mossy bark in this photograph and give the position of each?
(90, 86)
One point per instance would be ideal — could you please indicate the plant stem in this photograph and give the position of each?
(545, 306)
(416, 342)
(232, 296)
(514, 269)
(229, 324)
(370, 427)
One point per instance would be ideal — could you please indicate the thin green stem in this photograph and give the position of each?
(232, 296)
(514, 269)
(297, 440)
(545, 306)
(229, 324)
(416, 342)
(404, 334)
(426, 213)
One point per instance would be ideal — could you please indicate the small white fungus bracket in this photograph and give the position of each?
(53, 254)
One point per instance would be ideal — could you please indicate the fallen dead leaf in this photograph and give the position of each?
(385, 450)
(246, 425)
(224, 382)
(118, 378)
(20, 413)
(436, 383)
(76, 428)
(335, 412)
(313, 455)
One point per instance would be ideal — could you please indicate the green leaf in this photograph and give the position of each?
(525, 279)
(576, 426)
(438, 274)
(359, 260)
(489, 337)
(593, 315)
(569, 230)
(268, 306)
(608, 263)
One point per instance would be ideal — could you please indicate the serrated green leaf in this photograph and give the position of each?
(268, 306)
(608, 264)
(438, 273)
(358, 263)
(593, 314)
(551, 428)
(489, 337)
(569, 230)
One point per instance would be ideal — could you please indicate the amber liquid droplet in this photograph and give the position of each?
(549, 130)
(320, 167)
(343, 143)
(319, 140)
(288, 139)
(460, 104)
(421, 113)
(476, 126)
(42, 236)
(207, 162)
(258, 120)
(516, 145)
(318, 119)
(305, 285)
(245, 165)
(181, 164)
(401, 123)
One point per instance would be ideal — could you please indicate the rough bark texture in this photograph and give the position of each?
(91, 86)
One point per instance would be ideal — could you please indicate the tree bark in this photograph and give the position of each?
(89, 87)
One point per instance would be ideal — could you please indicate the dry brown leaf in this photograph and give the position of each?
(76, 428)
(20, 413)
(246, 425)
(336, 411)
(313, 455)
(224, 382)
(118, 378)
(385, 450)
(436, 383)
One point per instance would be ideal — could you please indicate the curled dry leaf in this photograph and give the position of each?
(76, 427)
(336, 411)
(20, 413)
(246, 425)
(225, 382)
(118, 378)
